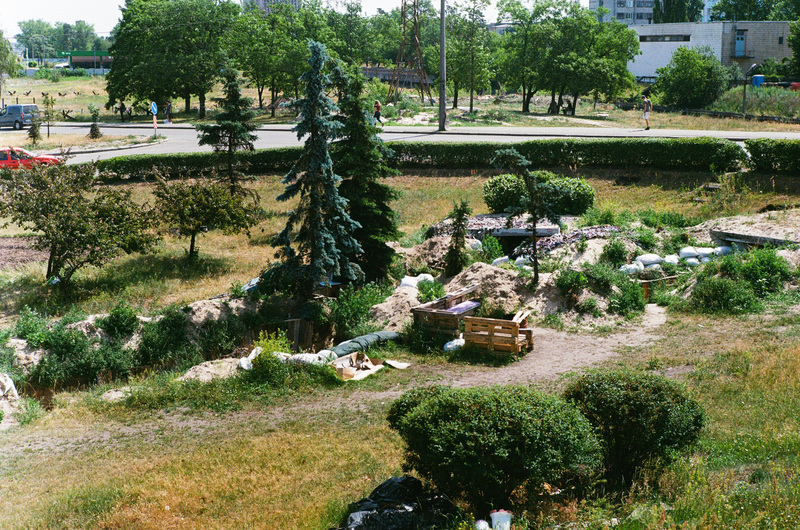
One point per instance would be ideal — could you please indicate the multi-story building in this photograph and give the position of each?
(630, 12)
(739, 44)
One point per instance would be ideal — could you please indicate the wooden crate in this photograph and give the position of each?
(442, 315)
(498, 334)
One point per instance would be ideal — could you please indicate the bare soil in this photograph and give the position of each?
(15, 251)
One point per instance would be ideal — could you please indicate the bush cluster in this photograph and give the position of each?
(566, 195)
(484, 444)
(774, 155)
(502, 192)
(270, 371)
(569, 282)
(350, 311)
(700, 154)
(638, 417)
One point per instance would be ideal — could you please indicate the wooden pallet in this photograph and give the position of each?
(498, 334)
(443, 315)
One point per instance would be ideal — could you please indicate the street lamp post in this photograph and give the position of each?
(744, 92)
(442, 74)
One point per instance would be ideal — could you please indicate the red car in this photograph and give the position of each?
(15, 158)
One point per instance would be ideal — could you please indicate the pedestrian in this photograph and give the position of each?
(647, 106)
(168, 111)
(121, 111)
(377, 114)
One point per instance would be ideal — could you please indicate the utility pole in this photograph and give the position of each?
(442, 74)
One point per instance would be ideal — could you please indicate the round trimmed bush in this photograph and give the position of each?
(639, 418)
(573, 196)
(502, 192)
(483, 444)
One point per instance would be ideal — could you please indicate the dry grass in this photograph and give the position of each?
(58, 141)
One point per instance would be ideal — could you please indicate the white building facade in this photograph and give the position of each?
(739, 44)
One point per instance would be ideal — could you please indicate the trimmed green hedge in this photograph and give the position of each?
(774, 155)
(701, 154)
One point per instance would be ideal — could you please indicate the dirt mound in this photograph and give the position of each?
(776, 225)
(205, 310)
(209, 370)
(502, 287)
(396, 310)
(430, 252)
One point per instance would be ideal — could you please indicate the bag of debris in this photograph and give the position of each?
(649, 259)
(687, 252)
(704, 252)
(723, 250)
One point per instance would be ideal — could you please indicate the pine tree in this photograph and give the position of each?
(456, 258)
(35, 132)
(233, 130)
(360, 158)
(319, 227)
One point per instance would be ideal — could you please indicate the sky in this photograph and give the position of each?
(104, 14)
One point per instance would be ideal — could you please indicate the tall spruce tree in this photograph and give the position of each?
(233, 130)
(360, 158)
(318, 241)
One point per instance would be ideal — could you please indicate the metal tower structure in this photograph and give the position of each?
(410, 68)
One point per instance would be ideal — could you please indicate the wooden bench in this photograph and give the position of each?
(500, 335)
(442, 315)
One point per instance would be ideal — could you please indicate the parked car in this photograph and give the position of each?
(18, 116)
(15, 158)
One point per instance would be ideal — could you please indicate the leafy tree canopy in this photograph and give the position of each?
(693, 78)
(665, 11)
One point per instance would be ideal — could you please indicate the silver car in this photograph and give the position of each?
(18, 116)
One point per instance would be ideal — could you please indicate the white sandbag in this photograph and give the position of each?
(687, 252)
(500, 261)
(649, 259)
(525, 268)
(639, 266)
(723, 250)
(704, 252)
(7, 387)
(245, 364)
(424, 276)
(455, 344)
(306, 358)
(693, 262)
(705, 259)
(672, 259)
(474, 244)
(629, 269)
(653, 267)
(327, 355)
(255, 353)
(412, 281)
(521, 261)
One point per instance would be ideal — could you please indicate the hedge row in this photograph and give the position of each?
(701, 154)
(774, 155)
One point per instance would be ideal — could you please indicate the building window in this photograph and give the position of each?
(780, 40)
(620, 3)
(664, 38)
(620, 16)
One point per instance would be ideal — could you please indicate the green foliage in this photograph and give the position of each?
(614, 252)
(693, 78)
(589, 305)
(122, 321)
(602, 276)
(638, 417)
(269, 371)
(628, 299)
(29, 411)
(667, 11)
(430, 290)
(422, 340)
(502, 192)
(646, 239)
(767, 154)
(94, 129)
(659, 220)
(233, 130)
(761, 101)
(196, 206)
(31, 326)
(457, 256)
(165, 340)
(360, 157)
(490, 250)
(350, 310)
(219, 337)
(606, 216)
(572, 196)
(317, 241)
(762, 268)
(35, 132)
(570, 282)
(724, 295)
(484, 444)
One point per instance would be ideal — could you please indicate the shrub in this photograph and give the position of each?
(165, 341)
(270, 371)
(638, 418)
(605, 216)
(351, 309)
(764, 270)
(430, 291)
(422, 340)
(68, 360)
(573, 196)
(457, 257)
(484, 444)
(646, 239)
(723, 295)
(490, 249)
(602, 276)
(122, 321)
(502, 192)
(614, 252)
(31, 327)
(569, 282)
(693, 78)
(589, 306)
(566, 195)
(218, 337)
(768, 154)
(629, 299)
(658, 220)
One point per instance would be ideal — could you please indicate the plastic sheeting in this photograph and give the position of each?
(364, 342)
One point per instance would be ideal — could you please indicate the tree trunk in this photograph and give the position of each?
(187, 102)
(192, 250)
(274, 99)
(202, 113)
(535, 253)
(471, 98)
(553, 108)
(575, 98)
(50, 261)
(455, 96)
(261, 98)
(526, 101)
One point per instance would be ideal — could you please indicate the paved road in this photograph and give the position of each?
(181, 138)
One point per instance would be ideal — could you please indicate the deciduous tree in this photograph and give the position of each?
(666, 11)
(693, 78)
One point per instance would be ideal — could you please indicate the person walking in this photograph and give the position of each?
(168, 111)
(647, 106)
(377, 114)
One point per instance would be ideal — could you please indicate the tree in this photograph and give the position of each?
(197, 206)
(35, 131)
(793, 40)
(36, 37)
(318, 238)
(756, 10)
(456, 258)
(666, 11)
(155, 60)
(8, 60)
(233, 130)
(468, 51)
(77, 223)
(49, 114)
(94, 129)
(693, 79)
(360, 158)
(536, 203)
